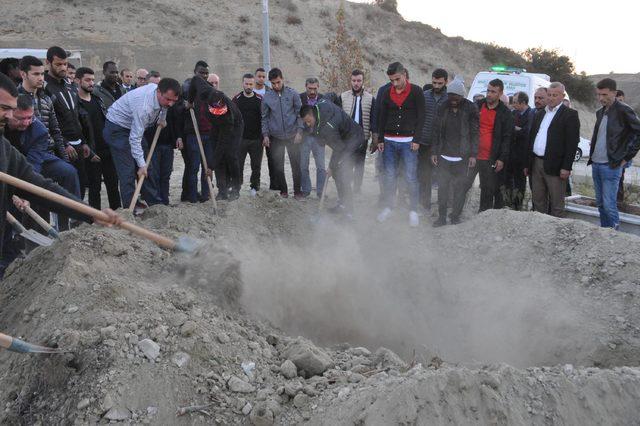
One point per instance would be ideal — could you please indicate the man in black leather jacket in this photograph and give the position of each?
(615, 141)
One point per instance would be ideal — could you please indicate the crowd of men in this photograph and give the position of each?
(81, 134)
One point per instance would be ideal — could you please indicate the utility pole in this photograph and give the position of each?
(266, 52)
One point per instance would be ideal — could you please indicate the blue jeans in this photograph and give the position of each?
(161, 168)
(62, 173)
(605, 182)
(195, 165)
(393, 152)
(310, 145)
(117, 138)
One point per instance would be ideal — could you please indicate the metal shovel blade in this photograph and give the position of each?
(36, 238)
(188, 245)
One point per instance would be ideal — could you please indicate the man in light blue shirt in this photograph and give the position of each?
(124, 128)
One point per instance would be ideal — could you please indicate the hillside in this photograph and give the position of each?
(170, 36)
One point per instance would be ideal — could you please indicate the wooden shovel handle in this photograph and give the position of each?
(35, 216)
(149, 156)
(85, 209)
(14, 222)
(204, 157)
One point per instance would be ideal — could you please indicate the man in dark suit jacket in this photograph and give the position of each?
(552, 146)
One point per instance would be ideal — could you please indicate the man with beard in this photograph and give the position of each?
(433, 98)
(100, 165)
(109, 89)
(65, 102)
(249, 104)
(191, 151)
(126, 76)
(32, 71)
(360, 105)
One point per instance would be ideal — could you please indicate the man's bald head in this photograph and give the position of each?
(141, 77)
(214, 80)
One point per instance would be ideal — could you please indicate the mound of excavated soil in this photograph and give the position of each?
(150, 332)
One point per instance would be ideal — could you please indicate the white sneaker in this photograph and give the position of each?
(384, 214)
(414, 220)
(253, 192)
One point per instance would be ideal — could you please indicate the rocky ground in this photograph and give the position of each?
(508, 318)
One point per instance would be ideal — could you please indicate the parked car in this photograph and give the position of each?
(583, 148)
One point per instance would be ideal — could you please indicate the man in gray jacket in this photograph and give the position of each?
(282, 128)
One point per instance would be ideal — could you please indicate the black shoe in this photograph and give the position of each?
(234, 195)
(440, 222)
(455, 220)
(222, 196)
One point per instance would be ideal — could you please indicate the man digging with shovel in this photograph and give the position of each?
(124, 127)
(332, 126)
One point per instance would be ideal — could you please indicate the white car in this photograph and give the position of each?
(583, 148)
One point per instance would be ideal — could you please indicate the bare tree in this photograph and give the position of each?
(342, 54)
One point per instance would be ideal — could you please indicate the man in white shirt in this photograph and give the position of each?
(124, 128)
(554, 139)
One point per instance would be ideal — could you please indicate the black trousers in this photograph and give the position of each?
(184, 196)
(278, 147)
(96, 172)
(358, 166)
(225, 164)
(80, 165)
(491, 185)
(452, 179)
(515, 183)
(252, 147)
(425, 172)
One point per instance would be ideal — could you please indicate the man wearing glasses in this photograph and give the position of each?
(124, 127)
(141, 77)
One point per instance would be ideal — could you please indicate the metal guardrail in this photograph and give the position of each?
(629, 223)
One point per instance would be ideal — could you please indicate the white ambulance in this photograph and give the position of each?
(514, 79)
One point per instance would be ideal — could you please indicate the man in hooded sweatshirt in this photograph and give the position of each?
(454, 148)
(227, 127)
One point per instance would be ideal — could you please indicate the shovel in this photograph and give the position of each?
(141, 180)
(29, 234)
(40, 221)
(16, 345)
(316, 217)
(184, 244)
(204, 159)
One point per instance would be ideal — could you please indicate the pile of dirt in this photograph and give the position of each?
(150, 332)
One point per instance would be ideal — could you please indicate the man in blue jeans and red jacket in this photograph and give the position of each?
(401, 118)
(615, 141)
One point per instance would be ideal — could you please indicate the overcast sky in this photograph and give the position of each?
(598, 41)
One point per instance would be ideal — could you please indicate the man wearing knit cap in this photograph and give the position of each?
(454, 149)
(496, 130)
(401, 119)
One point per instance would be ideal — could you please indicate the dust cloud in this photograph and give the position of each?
(390, 287)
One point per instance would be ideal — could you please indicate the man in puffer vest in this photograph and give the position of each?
(360, 106)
